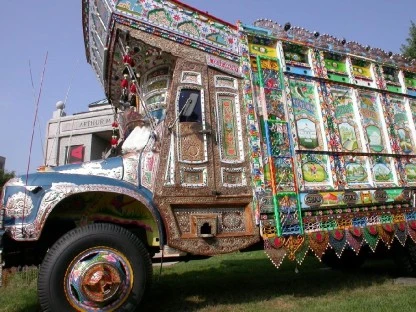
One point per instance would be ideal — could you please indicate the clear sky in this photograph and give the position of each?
(29, 29)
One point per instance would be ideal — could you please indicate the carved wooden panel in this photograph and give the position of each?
(230, 163)
(192, 146)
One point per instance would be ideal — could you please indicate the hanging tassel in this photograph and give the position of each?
(127, 59)
(124, 88)
(114, 137)
(133, 93)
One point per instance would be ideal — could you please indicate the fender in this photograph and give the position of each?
(27, 207)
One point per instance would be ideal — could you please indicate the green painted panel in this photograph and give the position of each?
(336, 66)
(410, 80)
(338, 78)
(394, 89)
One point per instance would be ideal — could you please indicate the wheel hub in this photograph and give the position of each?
(98, 279)
(100, 282)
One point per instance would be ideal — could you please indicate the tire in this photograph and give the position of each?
(99, 267)
(348, 261)
(405, 258)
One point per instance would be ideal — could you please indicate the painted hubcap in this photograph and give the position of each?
(100, 282)
(98, 279)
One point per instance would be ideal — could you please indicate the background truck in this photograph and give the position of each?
(225, 135)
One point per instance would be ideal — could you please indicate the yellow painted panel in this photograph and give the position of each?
(262, 50)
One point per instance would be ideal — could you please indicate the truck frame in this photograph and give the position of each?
(224, 136)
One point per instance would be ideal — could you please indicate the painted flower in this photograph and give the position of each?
(176, 17)
(76, 273)
(270, 83)
(109, 258)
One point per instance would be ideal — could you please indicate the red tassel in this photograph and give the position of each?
(124, 83)
(133, 89)
(114, 141)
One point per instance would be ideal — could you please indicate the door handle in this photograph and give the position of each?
(210, 132)
(205, 131)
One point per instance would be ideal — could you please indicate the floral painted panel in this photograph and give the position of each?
(272, 89)
(279, 138)
(174, 17)
(229, 128)
(132, 7)
(285, 175)
(281, 154)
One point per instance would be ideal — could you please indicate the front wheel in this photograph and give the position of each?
(100, 267)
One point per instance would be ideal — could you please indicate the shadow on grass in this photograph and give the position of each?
(240, 278)
(237, 279)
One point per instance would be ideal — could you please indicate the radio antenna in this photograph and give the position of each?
(31, 139)
(36, 115)
(34, 102)
(48, 156)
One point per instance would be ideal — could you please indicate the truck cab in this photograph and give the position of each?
(223, 136)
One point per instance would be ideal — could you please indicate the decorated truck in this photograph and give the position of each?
(224, 136)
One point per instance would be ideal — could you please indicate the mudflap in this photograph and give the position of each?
(292, 246)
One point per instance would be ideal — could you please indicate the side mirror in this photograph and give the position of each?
(189, 106)
(187, 109)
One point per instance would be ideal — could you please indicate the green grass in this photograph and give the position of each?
(18, 293)
(249, 282)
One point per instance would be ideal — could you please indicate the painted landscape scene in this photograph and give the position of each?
(356, 173)
(348, 137)
(313, 172)
(307, 133)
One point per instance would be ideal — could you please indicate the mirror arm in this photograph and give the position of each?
(187, 103)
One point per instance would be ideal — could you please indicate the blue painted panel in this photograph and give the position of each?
(299, 71)
(45, 181)
(411, 92)
(257, 30)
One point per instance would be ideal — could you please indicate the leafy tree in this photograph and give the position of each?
(409, 49)
(4, 177)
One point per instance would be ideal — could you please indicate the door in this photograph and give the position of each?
(205, 191)
(207, 147)
(231, 168)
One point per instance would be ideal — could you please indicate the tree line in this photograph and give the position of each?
(408, 49)
(4, 177)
